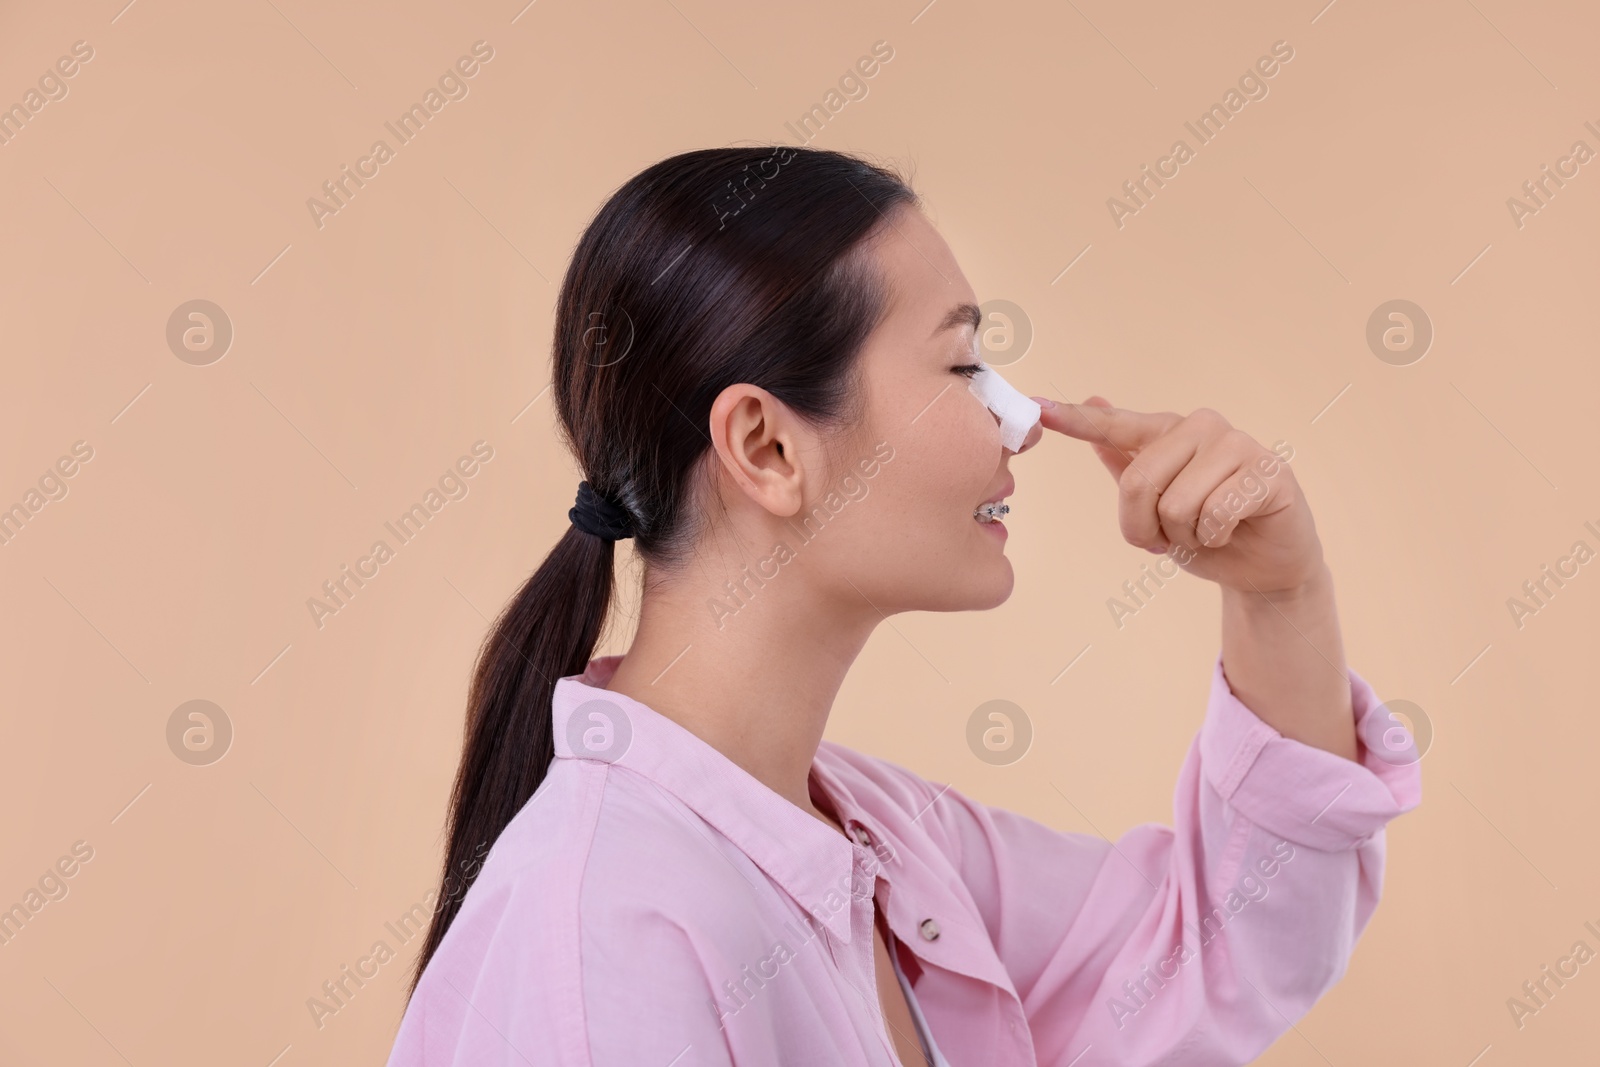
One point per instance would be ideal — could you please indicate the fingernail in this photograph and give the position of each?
(1043, 401)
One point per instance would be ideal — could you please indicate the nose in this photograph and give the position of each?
(1035, 432)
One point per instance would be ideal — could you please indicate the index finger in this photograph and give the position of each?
(1120, 428)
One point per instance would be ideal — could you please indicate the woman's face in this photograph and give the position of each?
(908, 540)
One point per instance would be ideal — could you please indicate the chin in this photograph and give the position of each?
(995, 589)
(988, 585)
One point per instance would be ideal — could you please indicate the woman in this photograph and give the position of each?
(762, 363)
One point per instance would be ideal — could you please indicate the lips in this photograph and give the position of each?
(1005, 491)
(991, 511)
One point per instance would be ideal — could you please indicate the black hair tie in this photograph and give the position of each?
(601, 516)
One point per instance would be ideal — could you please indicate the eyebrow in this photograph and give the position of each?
(960, 315)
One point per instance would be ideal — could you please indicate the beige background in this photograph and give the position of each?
(370, 353)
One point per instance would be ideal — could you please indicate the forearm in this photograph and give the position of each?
(1284, 659)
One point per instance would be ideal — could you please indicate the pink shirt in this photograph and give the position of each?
(653, 905)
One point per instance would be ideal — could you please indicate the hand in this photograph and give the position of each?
(1222, 506)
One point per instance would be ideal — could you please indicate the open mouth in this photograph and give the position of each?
(995, 508)
(990, 512)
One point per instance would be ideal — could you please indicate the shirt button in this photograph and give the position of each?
(930, 930)
(861, 836)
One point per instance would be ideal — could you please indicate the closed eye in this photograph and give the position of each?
(969, 369)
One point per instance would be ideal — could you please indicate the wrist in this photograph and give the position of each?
(1316, 584)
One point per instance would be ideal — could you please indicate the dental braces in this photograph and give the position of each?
(990, 512)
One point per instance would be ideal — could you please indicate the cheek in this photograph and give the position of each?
(960, 449)
(946, 452)
(973, 431)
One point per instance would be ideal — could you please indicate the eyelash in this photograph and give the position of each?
(969, 369)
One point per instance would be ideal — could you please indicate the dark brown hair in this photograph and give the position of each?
(707, 269)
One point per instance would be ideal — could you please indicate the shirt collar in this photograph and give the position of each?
(812, 862)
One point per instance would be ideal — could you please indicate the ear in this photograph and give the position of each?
(760, 444)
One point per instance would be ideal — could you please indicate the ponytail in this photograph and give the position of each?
(549, 629)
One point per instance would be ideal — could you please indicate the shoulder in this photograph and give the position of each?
(598, 856)
(587, 901)
(596, 843)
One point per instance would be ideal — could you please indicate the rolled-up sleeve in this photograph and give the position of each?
(1199, 943)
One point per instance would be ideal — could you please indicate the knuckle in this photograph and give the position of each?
(1127, 479)
(1236, 436)
(1133, 486)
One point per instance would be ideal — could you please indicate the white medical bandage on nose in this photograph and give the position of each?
(1017, 413)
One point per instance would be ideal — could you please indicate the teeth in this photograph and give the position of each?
(991, 511)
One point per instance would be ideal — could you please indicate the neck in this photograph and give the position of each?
(758, 684)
